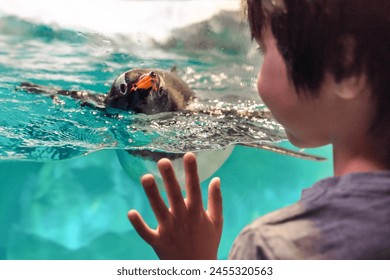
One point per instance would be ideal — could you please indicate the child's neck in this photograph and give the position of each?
(356, 159)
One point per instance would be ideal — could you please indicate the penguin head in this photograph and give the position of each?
(138, 91)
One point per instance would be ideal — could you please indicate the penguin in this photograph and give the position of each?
(153, 91)
(147, 91)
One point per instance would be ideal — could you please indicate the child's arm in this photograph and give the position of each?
(185, 230)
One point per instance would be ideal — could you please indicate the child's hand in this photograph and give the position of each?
(185, 230)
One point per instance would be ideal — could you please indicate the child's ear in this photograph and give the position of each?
(351, 87)
(353, 84)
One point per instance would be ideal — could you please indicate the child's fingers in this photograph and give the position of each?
(215, 202)
(172, 187)
(194, 195)
(156, 202)
(141, 227)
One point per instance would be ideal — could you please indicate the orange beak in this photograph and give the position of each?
(146, 81)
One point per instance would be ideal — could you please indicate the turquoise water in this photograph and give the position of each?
(63, 192)
(76, 209)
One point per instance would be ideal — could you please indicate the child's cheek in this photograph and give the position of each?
(274, 88)
(269, 86)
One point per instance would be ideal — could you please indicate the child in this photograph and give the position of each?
(326, 79)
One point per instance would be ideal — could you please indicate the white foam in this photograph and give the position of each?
(151, 18)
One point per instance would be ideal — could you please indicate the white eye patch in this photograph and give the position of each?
(121, 84)
(162, 83)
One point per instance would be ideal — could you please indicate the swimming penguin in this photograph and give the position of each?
(148, 91)
(152, 91)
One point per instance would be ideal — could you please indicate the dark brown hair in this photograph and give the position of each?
(340, 37)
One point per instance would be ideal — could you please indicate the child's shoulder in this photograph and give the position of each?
(323, 223)
(283, 234)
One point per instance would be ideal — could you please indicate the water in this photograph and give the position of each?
(63, 192)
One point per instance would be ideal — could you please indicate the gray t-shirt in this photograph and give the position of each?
(345, 217)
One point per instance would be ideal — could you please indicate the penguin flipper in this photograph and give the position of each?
(157, 155)
(93, 105)
(86, 98)
(37, 89)
(264, 114)
(283, 151)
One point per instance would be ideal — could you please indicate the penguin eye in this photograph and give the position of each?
(123, 88)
